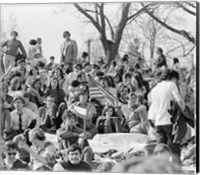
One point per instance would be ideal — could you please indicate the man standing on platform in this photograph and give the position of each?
(69, 51)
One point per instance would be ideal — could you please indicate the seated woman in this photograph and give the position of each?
(9, 160)
(15, 88)
(58, 73)
(36, 95)
(122, 94)
(109, 122)
(32, 76)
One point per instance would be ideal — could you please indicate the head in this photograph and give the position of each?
(87, 67)
(43, 79)
(95, 69)
(33, 42)
(75, 86)
(105, 68)
(34, 71)
(66, 35)
(81, 77)
(58, 72)
(78, 68)
(21, 63)
(14, 35)
(109, 111)
(83, 97)
(39, 40)
(125, 59)
(132, 99)
(49, 101)
(19, 138)
(4, 88)
(54, 83)
(104, 82)
(117, 78)
(69, 118)
(175, 60)
(26, 97)
(19, 103)
(37, 136)
(127, 78)
(123, 93)
(52, 58)
(114, 63)
(174, 76)
(83, 87)
(15, 83)
(85, 55)
(10, 151)
(159, 51)
(75, 154)
(36, 84)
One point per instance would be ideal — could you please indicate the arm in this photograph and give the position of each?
(22, 49)
(75, 48)
(64, 134)
(4, 44)
(178, 97)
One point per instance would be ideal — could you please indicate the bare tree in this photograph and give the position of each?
(98, 18)
(187, 35)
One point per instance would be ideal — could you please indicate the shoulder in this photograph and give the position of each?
(19, 164)
(58, 167)
(85, 166)
(13, 112)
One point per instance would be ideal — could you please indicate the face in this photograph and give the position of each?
(57, 72)
(34, 71)
(74, 157)
(132, 99)
(109, 112)
(4, 89)
(26, 99)
(83, 98)
(87, 68)
(18, 105)
(49, 102)
(124, 92)
(43, 79)
(15, 84)
(51, 149)
(54, 83)
(67, 36)
(39, 41)
(37, 85)
(104, 83)
(126, 80)
(13, 36)
(11, 154)
(70, 122)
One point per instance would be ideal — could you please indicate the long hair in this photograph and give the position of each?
(106, 109)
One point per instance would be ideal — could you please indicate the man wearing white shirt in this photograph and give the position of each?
(160, 99)
(21, 119)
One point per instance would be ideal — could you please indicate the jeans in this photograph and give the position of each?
(164, 135)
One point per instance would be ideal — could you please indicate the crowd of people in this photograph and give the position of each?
(75, 100)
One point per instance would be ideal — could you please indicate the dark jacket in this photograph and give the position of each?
(180, 120)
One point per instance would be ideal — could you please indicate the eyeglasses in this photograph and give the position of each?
(12, 154)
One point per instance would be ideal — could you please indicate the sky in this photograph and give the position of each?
(41, 21)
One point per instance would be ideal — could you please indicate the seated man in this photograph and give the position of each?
(135, 115)
(21, 119)
(48, 115)
(29, 105)
(70, 134)
(74, 162)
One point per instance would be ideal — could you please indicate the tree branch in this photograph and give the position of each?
(107, 20)
(80, 9)
(186, 9)
(183, 33)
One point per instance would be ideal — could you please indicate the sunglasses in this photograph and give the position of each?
(12, 154)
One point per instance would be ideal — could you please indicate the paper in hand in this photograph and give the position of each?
(80, 110)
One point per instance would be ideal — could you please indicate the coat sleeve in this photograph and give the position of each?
(75, 49)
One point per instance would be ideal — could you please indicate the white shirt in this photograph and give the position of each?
(68, 80)
(160, 97)
(27, 117)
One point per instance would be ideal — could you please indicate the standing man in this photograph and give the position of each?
(11, 51)
(160, 100)
(69, 51)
